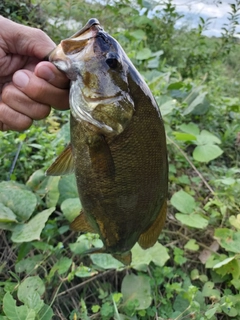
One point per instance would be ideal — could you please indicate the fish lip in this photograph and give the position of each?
(93, 22)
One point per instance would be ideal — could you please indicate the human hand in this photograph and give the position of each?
(28, 87)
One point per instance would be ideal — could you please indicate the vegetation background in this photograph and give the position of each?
(193, 272)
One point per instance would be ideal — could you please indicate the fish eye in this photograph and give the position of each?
(112, 60)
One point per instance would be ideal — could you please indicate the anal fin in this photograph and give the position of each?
(80, 223)
(63, 164)
(150, 236)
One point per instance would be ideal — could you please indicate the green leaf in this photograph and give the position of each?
(222, 263)
(67, 188)
(46, 313)
(137, 288)
(228, 266)
(142, 258)
(235, 221)
(105, 261)
(183, 202)
(71, 208)
(27, 290)
(228, 239)
(190, 128)
(144, 54)
(52, 192)
(167, 107)
(32, 229)
(206, 137)
(84, 272)
(21, 201)
(208, 290)
(191, 245)
(206, 153)
(6, 214)
(138, 34)
(16, 313)
(184, 136)
(198, 106)
(61, 267)
(193, 220)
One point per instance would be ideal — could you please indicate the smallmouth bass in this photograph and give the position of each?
(118, 144)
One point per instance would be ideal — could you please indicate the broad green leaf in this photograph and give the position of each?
(191, 245)
(193, 220)
(32, 229)
(105, 261)
(46, 313)
(183, 202)
(206, 153)
(141, 258)
(181, 136)
(27, 265)
(52, 191)
(235, 221)
(167, 107)
(22, 202)
(28, 288)
(230, 267)
(222, 263)
(228, 239)
(16, 313)
(71, 208)
(61, 266)
(6, 214)
(144, 54)
(137, 287)
(138, 34)
(197, 104)
(36, 179)
(208, 290)
(211, 312)
(206, 137)
(67, 188)
(84, 272)
(227, 181)
(190, 128)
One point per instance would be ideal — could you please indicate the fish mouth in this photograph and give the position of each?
(78, 42)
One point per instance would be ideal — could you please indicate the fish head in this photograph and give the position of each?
(98, 69)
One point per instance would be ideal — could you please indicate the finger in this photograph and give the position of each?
(10, 119)
(19, 102)
(40, 90)
(48, 72)
(25, 40)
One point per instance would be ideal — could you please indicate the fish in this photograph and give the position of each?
(118, 149)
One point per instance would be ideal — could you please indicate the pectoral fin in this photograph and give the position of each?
(80, 223)
(150, 236)
(63, 164)
(101, 158)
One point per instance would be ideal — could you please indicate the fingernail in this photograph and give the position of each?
(45, 73)
(20, 79)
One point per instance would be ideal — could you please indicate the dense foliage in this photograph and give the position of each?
(193, 272)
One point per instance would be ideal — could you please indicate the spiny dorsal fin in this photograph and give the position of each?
(150, 236)
(80, 223)
(63, 164)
